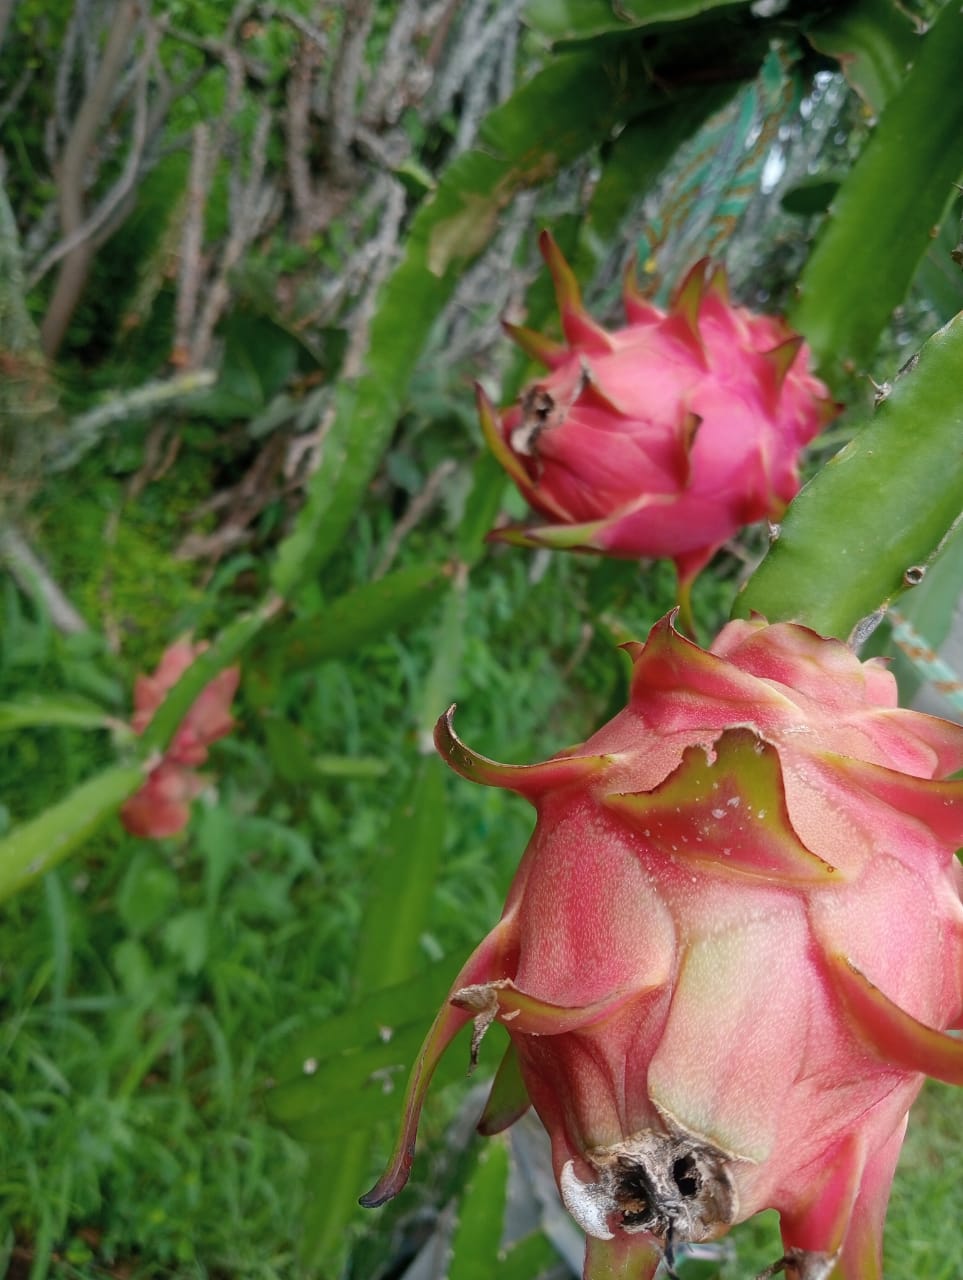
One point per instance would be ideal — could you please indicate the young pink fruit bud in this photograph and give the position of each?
(162, 806)
(731, 952)
(663, 438)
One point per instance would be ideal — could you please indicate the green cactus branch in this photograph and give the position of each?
(885, 214)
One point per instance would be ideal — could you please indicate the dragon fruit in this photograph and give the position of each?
(162, 805)
(731, 953)
(663, 438)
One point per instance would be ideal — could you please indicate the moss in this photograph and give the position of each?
(115, 557)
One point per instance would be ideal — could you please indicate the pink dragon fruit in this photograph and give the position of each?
(665, 437)
(162, 806)
(731, 952)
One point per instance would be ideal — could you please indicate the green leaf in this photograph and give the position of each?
(347, 1073)
(882, 505)
(811, 195)
(929, 610)
(931, 605)
(66, 711)
(529, 1258)
(881, 222)
(940, 276)
(329, 766)
(441, 685)
(39, 844)
(374, 1019)
(403, 882)
(349, 1080)
(337, 1172)
(359, 618)
(481, 509)
(260, 356)
(186, 938)
(874, 42)
(476, 1243)
(147, 892)
(580, 19)
(288, 749)
(316, 1115)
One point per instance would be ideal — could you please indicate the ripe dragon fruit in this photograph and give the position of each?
(730, 954)
(162, 806)
(663, 438)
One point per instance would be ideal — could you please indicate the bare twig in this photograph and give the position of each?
(418, 507)
(305, 450)
(303, 25)
(387, 150)
(219, 50)
(439, 21)
(35, 579)
(189, 263)
(472, 319)
(486, 77)
(353, 272)
(385, 247)
(343, 87)
(300, 87)
(85, 432)
(507, 70)
(245, 501)
(462, 58)
(12, 100)
(122, 188)
(41, 233)
(383, 101)
(59, 123)
(70, 177)
(250, 208)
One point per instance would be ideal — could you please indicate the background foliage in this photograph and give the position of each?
(251, 259)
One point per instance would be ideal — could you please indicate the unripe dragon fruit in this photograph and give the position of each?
(731, 952)
(663, 438)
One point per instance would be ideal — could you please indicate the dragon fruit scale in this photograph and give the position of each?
(731, 953)
(662, 438)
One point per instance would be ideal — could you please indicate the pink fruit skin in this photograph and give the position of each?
(663, 438)
(162, 806)
(735, 940)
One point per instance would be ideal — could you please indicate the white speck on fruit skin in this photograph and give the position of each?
(586, 1202)
(309, 1066)
(718, 813)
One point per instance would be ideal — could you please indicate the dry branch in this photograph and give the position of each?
(343, 89)
(35, 580)
(87, 232)
(70, 173)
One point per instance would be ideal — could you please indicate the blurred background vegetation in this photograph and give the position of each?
(252, 258)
